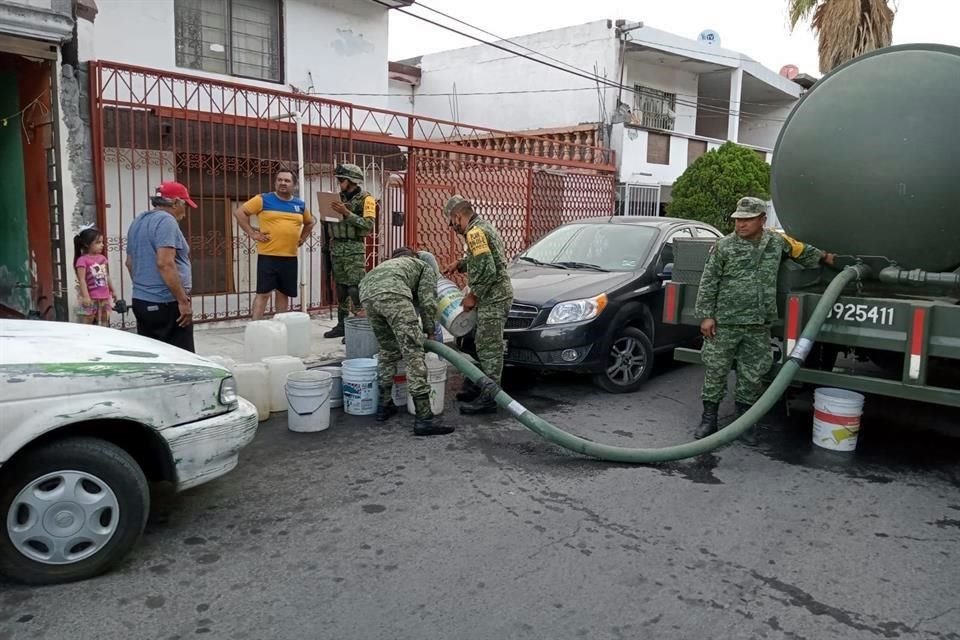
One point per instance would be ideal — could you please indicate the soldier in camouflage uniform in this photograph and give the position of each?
(491, 293)
(400, 298)
(358, 210)
(737, 304)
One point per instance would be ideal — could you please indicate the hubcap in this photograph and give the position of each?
(627, 361)
(63, 517)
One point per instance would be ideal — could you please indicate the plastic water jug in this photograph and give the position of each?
(264, 338)
(253, 383)
(298, 332)
(277, 369)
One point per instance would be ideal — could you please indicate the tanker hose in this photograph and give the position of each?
(631, 455)
(896, 275)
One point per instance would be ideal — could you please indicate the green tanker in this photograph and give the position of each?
(865, 167)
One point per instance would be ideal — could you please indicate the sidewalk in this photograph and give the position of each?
(225, 339)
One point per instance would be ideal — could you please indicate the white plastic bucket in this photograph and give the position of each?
(452, 316)
(437, 379)
(360, 391)
(336, 389)
(264, 338)
(253, 384)
(400, 385)
(836, 418)
(278, 367)
(308, 400)
(298, 332)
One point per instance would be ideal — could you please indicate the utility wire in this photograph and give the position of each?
(584, 73)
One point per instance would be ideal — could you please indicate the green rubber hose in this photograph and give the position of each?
(632, 455)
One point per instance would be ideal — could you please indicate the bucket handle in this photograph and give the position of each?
(326, 397)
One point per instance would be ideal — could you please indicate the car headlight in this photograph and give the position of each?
(228, 391)
(577, 310)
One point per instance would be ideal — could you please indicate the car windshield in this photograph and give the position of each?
(607, 247)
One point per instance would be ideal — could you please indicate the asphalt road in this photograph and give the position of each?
(364, 531)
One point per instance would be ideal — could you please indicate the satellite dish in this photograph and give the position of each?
(709, 37)
(789, 71)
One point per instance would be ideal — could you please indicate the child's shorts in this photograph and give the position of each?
(95, 308)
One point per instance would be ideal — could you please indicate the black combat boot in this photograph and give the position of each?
(708, 423)
(385, 407)
(483, 403)
(749, 436)
(469, 391)
(337, 331)
(423, 424)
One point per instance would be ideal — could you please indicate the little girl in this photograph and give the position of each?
(96, 289)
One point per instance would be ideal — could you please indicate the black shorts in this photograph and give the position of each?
(277, 273)
(158, 320)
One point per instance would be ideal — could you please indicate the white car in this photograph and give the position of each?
(89, 416)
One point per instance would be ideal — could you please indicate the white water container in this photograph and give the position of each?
(359, 338)
(263, 339)
(278, 367)
(298, 332)
(336, 389)
(452, 316)
(437, 379)
(836, 418)
(360, 391)
(308, 400)
(399, 393)
(253, 383)
(223, 361)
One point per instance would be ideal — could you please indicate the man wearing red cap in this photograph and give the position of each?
(158, 259)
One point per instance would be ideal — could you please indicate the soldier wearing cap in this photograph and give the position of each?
(491, 293)
(737, 304)
(358, 212)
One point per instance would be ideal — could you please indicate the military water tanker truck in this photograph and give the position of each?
(867, 166)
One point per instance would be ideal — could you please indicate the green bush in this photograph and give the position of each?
(709, 189)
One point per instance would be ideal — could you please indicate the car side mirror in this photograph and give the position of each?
(667, 272)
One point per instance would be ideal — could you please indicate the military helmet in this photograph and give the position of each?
(749, 208)
(351, 172)
(453, 203)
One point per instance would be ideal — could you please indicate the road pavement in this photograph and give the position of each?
(363, 531)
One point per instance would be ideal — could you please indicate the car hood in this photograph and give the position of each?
(62, 344)
(543, 286)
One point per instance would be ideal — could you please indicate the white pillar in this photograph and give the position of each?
(733, 118)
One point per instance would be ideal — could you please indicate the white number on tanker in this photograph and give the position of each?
(862, 313)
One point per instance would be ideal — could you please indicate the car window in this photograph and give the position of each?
(683, 232)
(703, 232)
(614, 247)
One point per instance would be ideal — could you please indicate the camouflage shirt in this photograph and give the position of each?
(486, 263)
(739, 281)
(408, 277)
(348, 234)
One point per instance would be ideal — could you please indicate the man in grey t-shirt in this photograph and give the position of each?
(158, 259)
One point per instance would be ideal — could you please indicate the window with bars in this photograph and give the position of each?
(232, 37)
(657, 109)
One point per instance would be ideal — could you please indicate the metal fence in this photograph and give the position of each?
(225, 141)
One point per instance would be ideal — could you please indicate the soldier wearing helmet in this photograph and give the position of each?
(491, 293)
(358, 212)
(737, 303)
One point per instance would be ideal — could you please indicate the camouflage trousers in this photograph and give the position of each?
(348, 270)
(491, 318)
(749, 346)
(396, 325)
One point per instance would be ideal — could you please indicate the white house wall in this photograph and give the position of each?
(670, 79)
(760, 124)
(486, 69)
(632, 152)
(333, 46)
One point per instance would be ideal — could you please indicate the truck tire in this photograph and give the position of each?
(70, 510)
(629, 362)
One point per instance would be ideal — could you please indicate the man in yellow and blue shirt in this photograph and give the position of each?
(285, 224)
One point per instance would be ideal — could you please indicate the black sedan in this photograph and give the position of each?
(588, 298)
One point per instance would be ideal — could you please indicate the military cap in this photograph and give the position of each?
(453, 203)
(351, 172)
(749, 208)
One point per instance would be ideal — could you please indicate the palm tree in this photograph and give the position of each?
(845, 29)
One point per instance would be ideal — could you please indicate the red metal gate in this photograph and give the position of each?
(226, 141)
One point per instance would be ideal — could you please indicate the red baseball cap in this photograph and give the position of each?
(171, 190)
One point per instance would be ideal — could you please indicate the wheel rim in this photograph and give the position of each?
(63, 517)
(628, 361)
